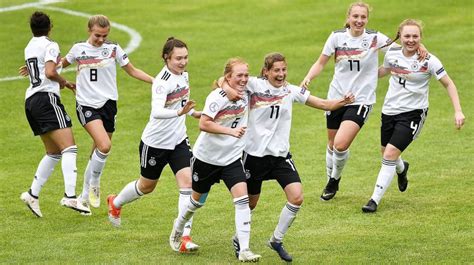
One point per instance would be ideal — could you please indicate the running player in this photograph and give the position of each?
(164, 140)
(267, 155)
(406, 105)
(97, 96)
(47, 116)
(355, 50)
(217, 155)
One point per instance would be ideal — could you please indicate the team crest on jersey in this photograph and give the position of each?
(105, 52)
(53, 53)
(365, 44)
(88, 114)
(195, 176)
(414, 66)
(213, 107)
(152, 161)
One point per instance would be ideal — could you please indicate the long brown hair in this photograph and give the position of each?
(271, 59)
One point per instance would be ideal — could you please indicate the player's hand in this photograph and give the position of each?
(69, 85)
(237, 132)
(23, 70)
(459, 119)
(349, 98)
(422, 52)
(235, 94)
(305, 83)
(187, 107)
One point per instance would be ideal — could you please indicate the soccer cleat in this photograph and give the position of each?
(278, 247)
(370, 207)
(32, 203)
(236, 244)
(72, 203)
(114, 212)
(402, 177)
(187, 245)
(246, 255)
(94, 196)
(85, 204)
(331, 188)
(175, 239)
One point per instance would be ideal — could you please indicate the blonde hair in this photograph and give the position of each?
(410, 22)
(228, 69)
(99, 20)
(360, 4)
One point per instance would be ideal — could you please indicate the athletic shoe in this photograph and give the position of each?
(85, 204)
(278, 247)
(402, 178)
(73, 204)
(370, 207)
(187, 245)
(94, 196)
(246, 255)
(331, 188)
(32, 203)
(175, 239)
(236, 244)
(114, 212)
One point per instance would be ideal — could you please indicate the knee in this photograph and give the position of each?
(104, 146)
(341, 147)
(146, 188)
(296, 200)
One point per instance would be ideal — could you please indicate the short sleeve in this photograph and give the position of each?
(70, 58)
(436, 67)
(214, 103)
(299, 94)
(330, 45)
(121, 57)
(52, 52)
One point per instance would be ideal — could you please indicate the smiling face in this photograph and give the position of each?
(410, 37)
(276, 75)
(177, 60)
(357, 19)
(238, 77)
(98, 35)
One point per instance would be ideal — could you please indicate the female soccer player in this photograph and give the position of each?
(97, 96)
(355, 50)
(217, 155)
(406, 105)
(47, 116)
(267, 147)
(164, 140)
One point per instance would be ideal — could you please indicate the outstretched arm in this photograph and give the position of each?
(329, 104)
(315, 70)
(453, 94)
(383, 71)
(137, 73)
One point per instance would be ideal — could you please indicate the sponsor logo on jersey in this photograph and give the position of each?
(440, 70)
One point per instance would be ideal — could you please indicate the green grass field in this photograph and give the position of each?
(432, 222)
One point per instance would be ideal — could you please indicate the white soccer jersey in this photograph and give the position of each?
(409, 83)
(96, 80)
(221, 149)
(39, 51)
(356, 64)
(270, 112)
(169, 92)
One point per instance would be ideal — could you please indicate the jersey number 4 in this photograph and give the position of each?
(33, 71)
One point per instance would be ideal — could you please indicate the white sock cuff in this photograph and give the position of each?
(137, 190)
(194, 203)
(390, 163)
(100, 155)
(292, 207)
(338, 153)
(328, 150)
(55, 157)
(241, 202)
(185, 191)
(70, 149)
